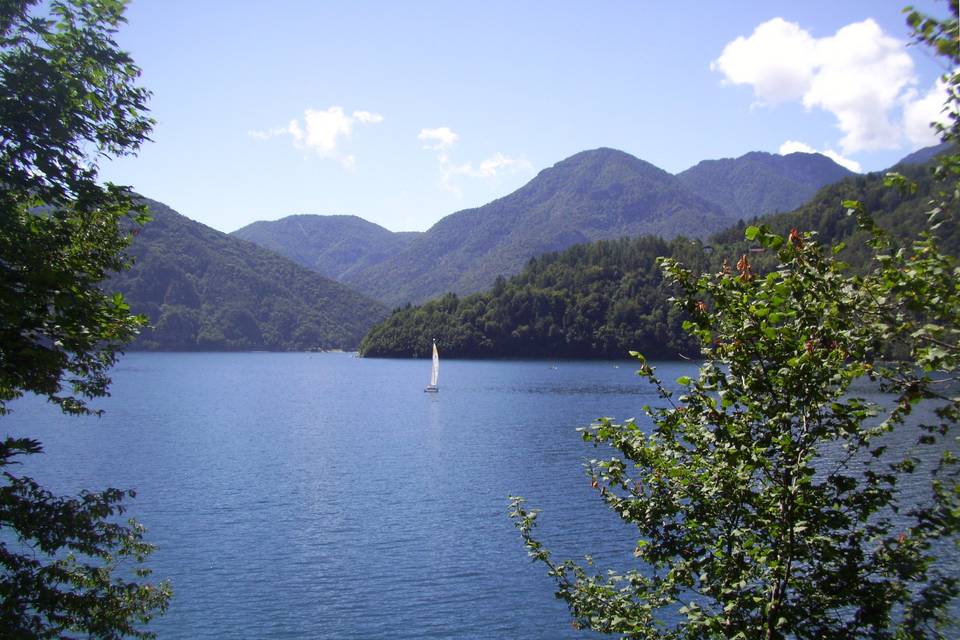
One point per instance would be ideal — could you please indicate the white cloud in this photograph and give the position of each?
(365, 117)
(489, 168)
(322, 128)
(776, 60)
(795, 146)
(441, 139)
(323, 131)
(437, 139)
(859, 74)
(920, 112)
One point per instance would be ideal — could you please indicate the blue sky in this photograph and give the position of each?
(404, 112)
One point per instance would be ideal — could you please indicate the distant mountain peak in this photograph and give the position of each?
(332, 245)
(595, 194)
(925, 155)
(603, 156)
(759, 182)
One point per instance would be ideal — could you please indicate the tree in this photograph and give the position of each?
(768, 497)
(68, 96)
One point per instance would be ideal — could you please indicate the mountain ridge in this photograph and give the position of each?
(332, 245)
(594, 194)
(758, 182)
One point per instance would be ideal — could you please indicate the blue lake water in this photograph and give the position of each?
(322, 495)
(326, 496)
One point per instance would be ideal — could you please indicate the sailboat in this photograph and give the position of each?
(435, 371)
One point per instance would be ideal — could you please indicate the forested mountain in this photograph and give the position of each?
(334, 246)
(606, 298)
(592, 195)
(205, 290)
(759, 183)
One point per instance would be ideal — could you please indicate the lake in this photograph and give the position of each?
(322, 495)
(296, 495)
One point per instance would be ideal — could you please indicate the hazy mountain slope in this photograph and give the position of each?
(205, 290)
(592, 195)
(922, 156)
(334, 246)
(760, 183)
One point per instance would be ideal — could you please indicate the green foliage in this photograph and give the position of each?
(67, 97)
(901, 212)
(67, 94)
(205, 290)
(65, 89)
(767, 498)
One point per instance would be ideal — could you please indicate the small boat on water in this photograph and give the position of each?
(435, 371)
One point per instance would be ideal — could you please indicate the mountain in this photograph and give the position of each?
(759, 183)
(334, 246)
(205, 290)
(922, 156)
(608, 297)
(592, 195)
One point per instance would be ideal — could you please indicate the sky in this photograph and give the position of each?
(404, 112)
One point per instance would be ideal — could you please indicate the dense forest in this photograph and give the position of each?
(592, 300)
(606, 298)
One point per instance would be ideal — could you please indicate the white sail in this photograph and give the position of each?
(435, 372)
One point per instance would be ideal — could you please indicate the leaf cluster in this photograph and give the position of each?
(765, 500)
(60, 574)
(771, 498)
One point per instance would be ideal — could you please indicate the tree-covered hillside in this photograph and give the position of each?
(590, 301)
(606, 298)
(204, 290)
(760, 183)
(333, 246)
